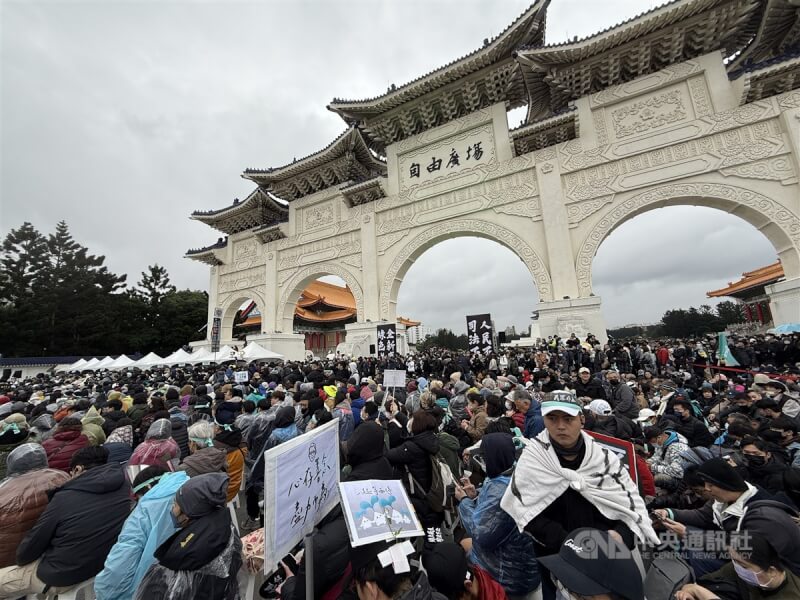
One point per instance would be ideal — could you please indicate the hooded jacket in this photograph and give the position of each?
(158, 448)
(180, 430)
(205, 460)
(118, 443)
(415, 455)
(78, 528)
(62, 445)
(667, 458)
(200, 561)
(365, 454)
(23, 498)
(458, 403)
(497, 545)
(284, 429)
(147, 527)
(231, 442)
(695, 432)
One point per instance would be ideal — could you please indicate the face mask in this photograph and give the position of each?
(746, 575)
(755, 461)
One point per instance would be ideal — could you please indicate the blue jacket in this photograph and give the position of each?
(534, 421)
(147, 527)
(356, 406)
(497, 545)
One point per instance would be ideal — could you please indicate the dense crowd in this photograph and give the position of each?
(574, 469)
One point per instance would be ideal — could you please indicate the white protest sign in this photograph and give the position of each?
(241, 376)
(394, 378)
(300, 488)
(378, 510)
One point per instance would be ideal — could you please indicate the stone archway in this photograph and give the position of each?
(300, 279)
(780, 225)
(231, 305)
(430, 236)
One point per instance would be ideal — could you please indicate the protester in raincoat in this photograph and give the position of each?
(497, 544)
(202, 559)
(147, 527)
(158, 448)
(23, 496)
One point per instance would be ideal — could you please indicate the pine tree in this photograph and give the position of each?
(24, 254)
(154, 285)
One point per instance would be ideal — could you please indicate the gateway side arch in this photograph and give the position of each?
(682, 123)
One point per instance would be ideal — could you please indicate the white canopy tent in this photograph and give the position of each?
(150, 360)
(90, 366)
(178, 357)
(103, 364)
(225, 354)
(122, 362)
(255, 352)
(77, 365)
(201, 356)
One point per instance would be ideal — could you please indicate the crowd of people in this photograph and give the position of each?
(573, 469)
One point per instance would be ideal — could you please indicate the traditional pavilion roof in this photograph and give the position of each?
(259, 209)
(479, 79)
(365, 191)
(778, 34)
(675, 32)
(207, 255)
(408, 322)
(774, 76)
(751, 280)
(545, 132)
(345, 159)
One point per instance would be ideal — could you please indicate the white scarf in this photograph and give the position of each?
(539, 479)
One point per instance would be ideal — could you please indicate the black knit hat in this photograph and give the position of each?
(718, 472)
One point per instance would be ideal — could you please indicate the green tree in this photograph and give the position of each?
(444, 338)
(24, 254)
(183, 314)
(730, 312)
(154, 285)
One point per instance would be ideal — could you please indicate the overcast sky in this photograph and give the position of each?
(123, 117)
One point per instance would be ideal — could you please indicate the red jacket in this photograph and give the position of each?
(489, 588)
(647, 485)
(662, 356)
(61, 446)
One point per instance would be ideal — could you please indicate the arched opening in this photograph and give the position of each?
(428, 238)
(241, 317)
(669, 258)
(443, 282)
(323, 309)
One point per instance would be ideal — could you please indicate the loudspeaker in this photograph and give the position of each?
(372, 348)
(501, 337)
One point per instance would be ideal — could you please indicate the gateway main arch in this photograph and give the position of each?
(691, 103)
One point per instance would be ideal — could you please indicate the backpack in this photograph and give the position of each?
(665, 577)
(439, 496)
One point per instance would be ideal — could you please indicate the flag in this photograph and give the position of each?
(724, 353)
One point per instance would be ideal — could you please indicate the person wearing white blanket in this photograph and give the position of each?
(565, 480)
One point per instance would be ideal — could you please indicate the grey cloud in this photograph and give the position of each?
(124, 117)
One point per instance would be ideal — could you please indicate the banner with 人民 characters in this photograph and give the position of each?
(480, 334)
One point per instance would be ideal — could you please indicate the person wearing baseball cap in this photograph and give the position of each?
(594, 564)
(565, 480)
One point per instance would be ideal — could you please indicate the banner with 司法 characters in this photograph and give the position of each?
(387, 340)
(480, 335)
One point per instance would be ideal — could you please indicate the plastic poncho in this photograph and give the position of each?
(24, 458)
(158, 448)
(93, 427)
(147, 527)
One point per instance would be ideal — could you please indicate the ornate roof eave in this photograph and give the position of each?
(528, 28)
(260, 208)
(344, 158)
(208, 254)
(363, 192)
(545, 132)
(270, 233)
(772, 79)
(778, 32)
(672, 33)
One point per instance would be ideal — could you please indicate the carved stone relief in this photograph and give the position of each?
(779, 168)
(327, 248)
(787, 221)
(511, 240)
(242, 279)
(648, 114)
